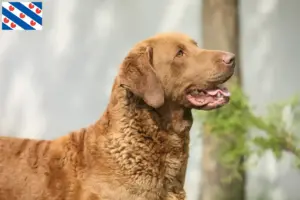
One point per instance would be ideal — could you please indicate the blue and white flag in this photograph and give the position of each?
(22, 16)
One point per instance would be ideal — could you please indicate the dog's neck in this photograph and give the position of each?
(170, 117)
(136, 131)
(175, 118)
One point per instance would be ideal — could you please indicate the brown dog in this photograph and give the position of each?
(138, 150)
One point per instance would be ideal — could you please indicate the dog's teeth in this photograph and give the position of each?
(195, 92)
(219, 95)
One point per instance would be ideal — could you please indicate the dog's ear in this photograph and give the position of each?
(137, 74)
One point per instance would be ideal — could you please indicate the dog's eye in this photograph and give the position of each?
(180, 53)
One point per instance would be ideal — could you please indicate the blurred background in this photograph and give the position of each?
(59, 79)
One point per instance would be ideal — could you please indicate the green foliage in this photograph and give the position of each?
(275, 131)
(233, 117)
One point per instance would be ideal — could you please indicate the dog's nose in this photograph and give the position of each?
(229, 59)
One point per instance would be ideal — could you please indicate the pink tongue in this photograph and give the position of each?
(223, 91)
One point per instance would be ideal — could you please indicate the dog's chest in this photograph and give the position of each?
(155, 157)
(175, 155)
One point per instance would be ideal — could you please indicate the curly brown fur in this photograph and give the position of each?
(137, 150)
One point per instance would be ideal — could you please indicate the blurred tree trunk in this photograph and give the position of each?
(220, 32)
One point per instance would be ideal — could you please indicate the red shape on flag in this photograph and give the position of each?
(31, 6)
(13, 25)
(11, 8)
(6, 20)
(32, 23)
(38, 11)
(22, 15)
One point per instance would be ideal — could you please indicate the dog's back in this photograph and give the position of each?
(25, 170)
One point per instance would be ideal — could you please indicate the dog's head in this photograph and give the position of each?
(171, 67)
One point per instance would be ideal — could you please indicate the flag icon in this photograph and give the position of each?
(22, 16)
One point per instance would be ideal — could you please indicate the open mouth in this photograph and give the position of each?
(209, 98)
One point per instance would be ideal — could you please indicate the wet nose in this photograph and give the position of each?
(229, 59)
